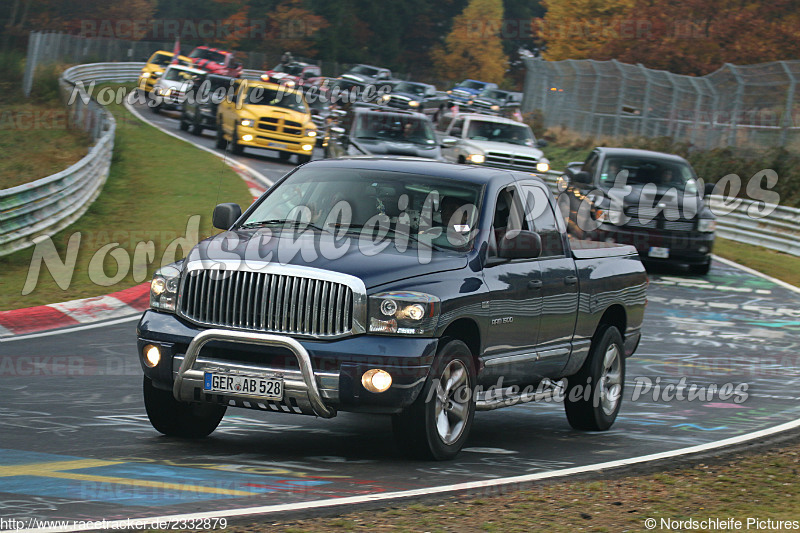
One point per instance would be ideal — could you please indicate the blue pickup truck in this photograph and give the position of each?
(417, 289)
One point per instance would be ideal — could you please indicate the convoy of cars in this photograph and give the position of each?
(154, 67)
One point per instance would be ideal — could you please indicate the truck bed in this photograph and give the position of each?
(584, 249)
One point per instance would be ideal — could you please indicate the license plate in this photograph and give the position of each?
(276, 145)
(659, 253)
(253, 386)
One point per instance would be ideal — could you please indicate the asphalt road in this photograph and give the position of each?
(76, 443)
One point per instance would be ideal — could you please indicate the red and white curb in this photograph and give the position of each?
(128, 302)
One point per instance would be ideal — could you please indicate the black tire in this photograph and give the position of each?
(462, 160)
(221, 144)
(597, 410)
(180, 419)
(700, 270)
(184, 126)
(236, 148)
(156, 108)
(301, 159)
(284, 156)
(415, 428)
(197, 127)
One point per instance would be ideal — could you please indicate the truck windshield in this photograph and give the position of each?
(494, 94)
(216, 57)
(411, 88)
(393, 127)
(365, 70)
(371, 202)
(472, 84)
(663, 174)
(176, 74)
(294, 69)
(275, 98)
(484, 130)
(161, 60)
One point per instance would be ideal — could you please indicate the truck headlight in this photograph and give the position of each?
(543, 165)
(164, 288)
(495, 107)
(145, 74)
(311, 133)
(706, 225)
(413, 103)
(476, 158)
(403, 313)
(246, 122)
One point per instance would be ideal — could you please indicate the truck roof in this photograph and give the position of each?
(635, 152)
(437, 169)
(488, 118)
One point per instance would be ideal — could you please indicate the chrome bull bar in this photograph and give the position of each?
(183, 388)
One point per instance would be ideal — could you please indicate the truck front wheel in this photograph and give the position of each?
(437, 424)
(594, 394)
(180, 419)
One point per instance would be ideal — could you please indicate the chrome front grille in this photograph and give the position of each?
(269, 302)
(512, 161)
(666, 218)
(280, 125)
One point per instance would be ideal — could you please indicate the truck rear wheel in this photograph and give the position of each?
(437, 424)
(594, 394)
(180, 419)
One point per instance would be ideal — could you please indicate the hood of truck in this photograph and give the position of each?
(260, 247)
(260, 111)
(506, 148)
(384, 147)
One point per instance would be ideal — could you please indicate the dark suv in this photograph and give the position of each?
(200, 112)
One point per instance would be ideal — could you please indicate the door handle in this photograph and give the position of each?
(570, 280)
(535, 284)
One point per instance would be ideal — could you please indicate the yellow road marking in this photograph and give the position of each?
(57, 470)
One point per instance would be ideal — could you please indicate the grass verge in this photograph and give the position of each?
(761, 486)
(155, 185)
(782, 266)
(35, 141)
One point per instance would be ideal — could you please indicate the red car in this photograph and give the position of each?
(302, 74)
(216, 61)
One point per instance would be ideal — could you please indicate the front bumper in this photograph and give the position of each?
(688, 247)
(320, 377)
(273, 141)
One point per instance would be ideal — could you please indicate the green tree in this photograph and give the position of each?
(473, 48)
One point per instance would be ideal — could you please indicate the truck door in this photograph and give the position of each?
(454, 130)
(515, 302)
(559, 281)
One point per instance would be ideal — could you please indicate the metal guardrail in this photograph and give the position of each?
(48, 205)
(740, 220)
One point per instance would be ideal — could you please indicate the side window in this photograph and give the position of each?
(543, 219)
(457, 127)
(590, 165)
(509, 214)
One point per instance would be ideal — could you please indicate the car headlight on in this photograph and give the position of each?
(145, 74)
(246, 122)
(384, 98)
(311, 133)
(495, 107)
(706, 225)
(403, 313)
(164, 288)
(413, 103)
(470, 102)
(543, 165)
(476, 158)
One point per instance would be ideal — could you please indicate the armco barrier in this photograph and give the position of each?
(50, 204)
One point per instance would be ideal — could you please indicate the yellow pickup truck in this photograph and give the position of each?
(156, 66)
(266, 115)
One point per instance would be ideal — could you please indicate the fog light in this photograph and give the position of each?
(152, 355)
(376, 380)
(247, 137)
(703, 249)
(307, 147)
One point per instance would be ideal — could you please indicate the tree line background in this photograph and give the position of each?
(452, 39)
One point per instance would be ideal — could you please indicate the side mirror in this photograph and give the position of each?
(709, 189)
(541, 143)
(225, 215)
(449, 142)
(455, 132)
(520, 244)
(582, 177)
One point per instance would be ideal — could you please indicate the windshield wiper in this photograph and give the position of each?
(283, 222)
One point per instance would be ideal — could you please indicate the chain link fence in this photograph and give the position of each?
(753, 106)
(48, 47)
